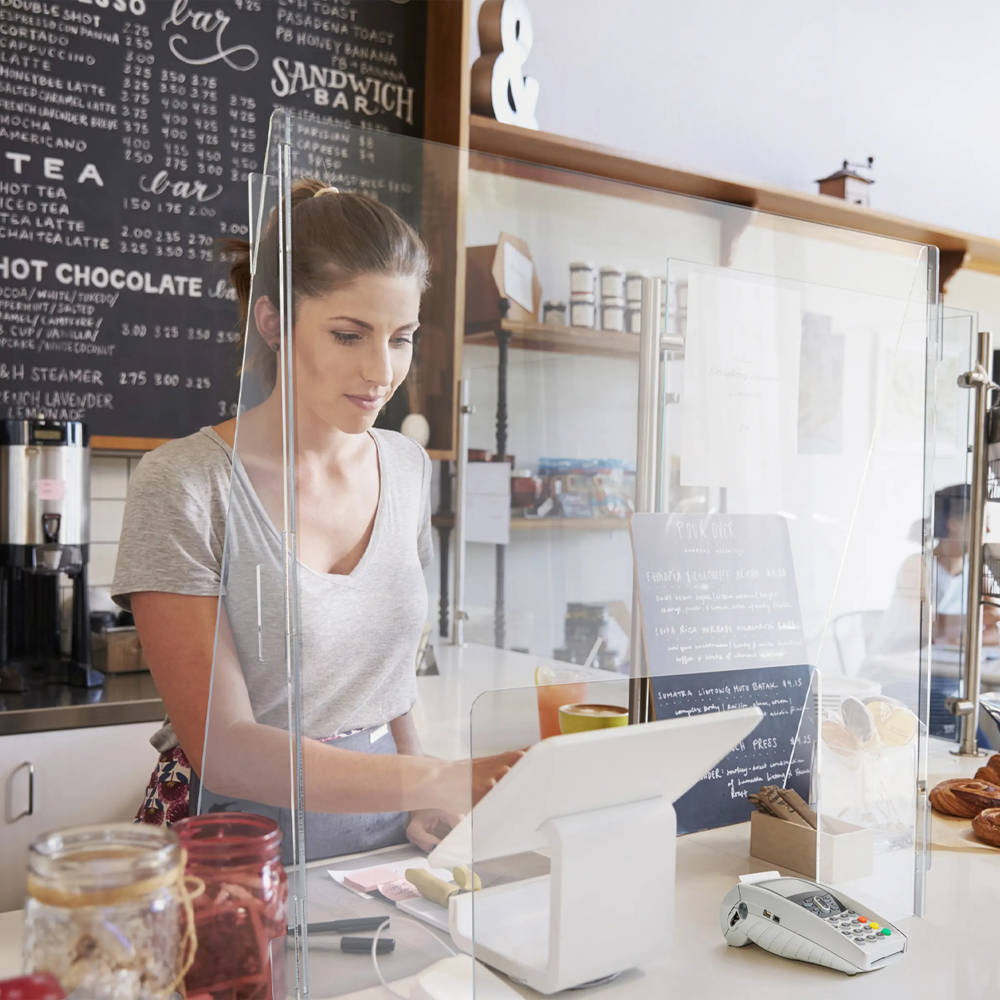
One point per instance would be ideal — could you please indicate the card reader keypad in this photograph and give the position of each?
(858, 928)
(854, 926)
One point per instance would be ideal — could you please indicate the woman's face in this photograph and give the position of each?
(352, 349)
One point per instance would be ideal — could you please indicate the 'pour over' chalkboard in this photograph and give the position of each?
(722, 630)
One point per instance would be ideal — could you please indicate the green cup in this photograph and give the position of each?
(580, 718)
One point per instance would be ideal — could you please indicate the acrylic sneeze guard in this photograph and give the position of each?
(785, 459)
(311, 692)
(788, 499)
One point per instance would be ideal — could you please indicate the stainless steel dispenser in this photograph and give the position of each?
(44, 532)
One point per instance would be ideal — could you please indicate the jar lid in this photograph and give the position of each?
(637, 274)
(87, 859)
(581, 265)
(553, 305)
(229, 838)
(611, 269)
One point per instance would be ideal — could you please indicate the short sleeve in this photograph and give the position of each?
(173, 531)
(425, 546)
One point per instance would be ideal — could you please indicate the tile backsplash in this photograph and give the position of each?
(109, 475)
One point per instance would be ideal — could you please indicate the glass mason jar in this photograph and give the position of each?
(241, 918)
(105, 911)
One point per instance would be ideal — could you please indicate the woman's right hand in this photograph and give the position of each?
(487, 771)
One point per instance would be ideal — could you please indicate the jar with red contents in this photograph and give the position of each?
(241, 918)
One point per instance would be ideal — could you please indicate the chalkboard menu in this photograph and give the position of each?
(717, 592)
(128, 129)
(778, 752)
(722, 630)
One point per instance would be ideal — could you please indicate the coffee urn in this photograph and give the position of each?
(44, 534)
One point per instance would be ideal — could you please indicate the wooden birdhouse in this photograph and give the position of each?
(848, 184)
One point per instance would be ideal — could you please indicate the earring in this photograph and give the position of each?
(275, 347)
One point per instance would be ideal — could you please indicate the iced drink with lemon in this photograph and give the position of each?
(554, 687)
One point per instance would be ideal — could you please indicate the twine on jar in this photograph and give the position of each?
(188, 888)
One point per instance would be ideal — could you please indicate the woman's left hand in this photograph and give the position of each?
(428, 827)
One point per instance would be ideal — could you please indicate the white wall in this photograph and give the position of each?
(776, 92)
(781, 91)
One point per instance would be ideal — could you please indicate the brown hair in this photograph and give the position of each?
(336, 237)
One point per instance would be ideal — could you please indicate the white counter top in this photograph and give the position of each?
(953, 951)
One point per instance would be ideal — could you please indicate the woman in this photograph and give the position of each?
(362, 540)
(899, 630)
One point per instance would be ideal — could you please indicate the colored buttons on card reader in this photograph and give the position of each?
(862, 920)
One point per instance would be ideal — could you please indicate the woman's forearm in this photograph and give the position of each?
(252, 761)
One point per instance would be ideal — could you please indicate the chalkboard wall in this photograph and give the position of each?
(128, 128)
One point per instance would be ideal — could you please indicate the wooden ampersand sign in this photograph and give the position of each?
(499, 87)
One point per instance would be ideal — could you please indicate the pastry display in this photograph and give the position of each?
(964, 797)
(986, 826)
(990, 771)
(896, 725)
(839, 738)
(858, 720)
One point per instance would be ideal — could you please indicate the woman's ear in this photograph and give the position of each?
(268, 321)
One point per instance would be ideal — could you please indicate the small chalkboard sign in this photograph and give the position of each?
(778, 752)
(717, 592)
(722, 630)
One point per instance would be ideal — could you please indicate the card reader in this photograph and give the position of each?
(808, 922)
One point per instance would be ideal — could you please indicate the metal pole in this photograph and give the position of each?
(967, 707)
(648, 424)
(458, 613)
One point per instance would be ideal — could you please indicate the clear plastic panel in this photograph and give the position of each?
(323, 601)
(317, 715)
(810, 402)
(948, 529)
(609, 841)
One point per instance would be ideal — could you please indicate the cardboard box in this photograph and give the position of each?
(845, 851)
(118, 651)
(491, 275)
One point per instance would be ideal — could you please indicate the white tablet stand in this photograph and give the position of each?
(600, 804)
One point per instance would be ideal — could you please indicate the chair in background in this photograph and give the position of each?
(853, 632)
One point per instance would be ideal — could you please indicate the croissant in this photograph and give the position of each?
(990, 771)
(964, 797)
(986, 826)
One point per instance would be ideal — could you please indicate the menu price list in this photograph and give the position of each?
(717, 591)
(779, 751)
(128, 129)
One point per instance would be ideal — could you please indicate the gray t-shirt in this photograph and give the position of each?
(359, 631)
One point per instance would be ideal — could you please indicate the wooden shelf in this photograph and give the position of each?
(486, 136)
(560, 339)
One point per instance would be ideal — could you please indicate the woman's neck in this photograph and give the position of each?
(319, 451)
